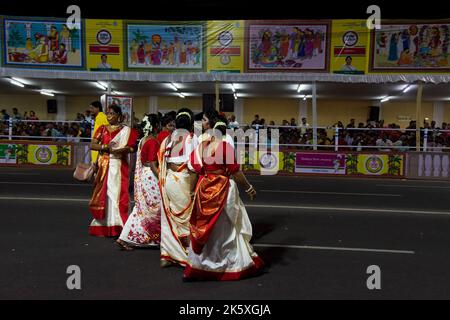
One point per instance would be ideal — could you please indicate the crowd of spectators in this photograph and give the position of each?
(28, 126)
(373, 135)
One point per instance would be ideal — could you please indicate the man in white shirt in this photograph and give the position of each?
(104, 65)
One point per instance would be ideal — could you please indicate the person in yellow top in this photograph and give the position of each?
(99, 120)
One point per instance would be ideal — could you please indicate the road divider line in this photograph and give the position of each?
(334, 193)
(47, 184)
(371, 210)
(407, 186)
(333, 248)
(264, 206)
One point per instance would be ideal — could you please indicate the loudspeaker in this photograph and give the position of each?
(374, 113)
(226, 102)
(52, 106)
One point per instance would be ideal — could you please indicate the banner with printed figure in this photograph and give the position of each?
(349, 43)
(165, 46)
(225, 46)
(8, 154)
(411, 47)
(104, 45)
(287, 46)
(42, 43)
(320, 163)
(125, 103)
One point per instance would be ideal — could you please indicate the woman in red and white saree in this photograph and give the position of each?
(110, 199)
(220, 228)
(177, 184)
(143, 227)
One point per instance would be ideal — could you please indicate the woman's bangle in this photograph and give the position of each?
(249, 189)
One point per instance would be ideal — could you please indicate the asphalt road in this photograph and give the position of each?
(317, 235)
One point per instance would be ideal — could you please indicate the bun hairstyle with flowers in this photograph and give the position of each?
(184, 119)
(149, 124)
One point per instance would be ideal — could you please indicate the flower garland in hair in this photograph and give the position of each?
(148, 127)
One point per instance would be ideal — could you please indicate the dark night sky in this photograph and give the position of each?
(229, 9)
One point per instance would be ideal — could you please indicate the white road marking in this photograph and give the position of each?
(334, 193)
(334, 248)
(408, 186)
(19, 174)
(371, 210)
(47, 184)
(316, 208)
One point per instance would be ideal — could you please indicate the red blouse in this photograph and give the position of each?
(149, 151)
(162, 135)
(222, 159)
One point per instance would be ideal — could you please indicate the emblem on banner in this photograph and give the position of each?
(104, 37)
(43, 154)
(374, 164)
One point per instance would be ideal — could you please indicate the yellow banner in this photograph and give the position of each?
(48, 155)
(225, 46)
(104, 45)
(269, 161)
(376, 164)
(349, 46)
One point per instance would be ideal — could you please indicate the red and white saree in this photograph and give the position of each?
(220, 228)
(110, 199)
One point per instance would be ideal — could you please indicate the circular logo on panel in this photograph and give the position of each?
(225, 38)
(43, 154)
(104, 37)
(350, 38)
(225, 59)
(374, 164)
(268, 161)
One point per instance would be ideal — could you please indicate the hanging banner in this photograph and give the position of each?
(349, 44)
(44, 154)
(125, 103)
(269, 163)
(42, 43)
(411, 47)
(104, 45)
(225, 45)
(287, 46)
(322, 163)
(375, 164)
(8, 154)
(165, 46)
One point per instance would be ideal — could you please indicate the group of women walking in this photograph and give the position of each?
(186, 200)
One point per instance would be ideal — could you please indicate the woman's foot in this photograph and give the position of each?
(166, 263)
(123, 245)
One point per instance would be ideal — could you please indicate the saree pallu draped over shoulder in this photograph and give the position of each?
(110, 199)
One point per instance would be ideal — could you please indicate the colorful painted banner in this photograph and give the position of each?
(287, 46)
(225, 46)
(410, 47)
(321, 163)
(125, 103)
(104, 45)
(375, 164)
(169, 46)
(349, 43)
(42, 43)
(8, 154)
(44, 154)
